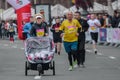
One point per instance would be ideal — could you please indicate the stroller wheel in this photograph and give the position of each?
(39, 68)
(26, 71)
(41, 72)
(53, 68)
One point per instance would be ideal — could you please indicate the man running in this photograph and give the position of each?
(56, 35)
(69, 27)
(27, 27)
(81, 38)
(94, 24)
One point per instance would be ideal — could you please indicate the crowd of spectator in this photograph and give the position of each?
(8, 28)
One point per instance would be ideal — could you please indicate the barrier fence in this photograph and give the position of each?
(107, 35)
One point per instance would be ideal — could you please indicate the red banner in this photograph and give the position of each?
(23, 15)
(23, 10)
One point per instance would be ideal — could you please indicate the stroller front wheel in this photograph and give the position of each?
(53, 68)
(26, 69)
(39, 68)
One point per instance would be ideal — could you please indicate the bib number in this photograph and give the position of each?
(93, 28)
(40, 32)
(71, 29)
(56, 29)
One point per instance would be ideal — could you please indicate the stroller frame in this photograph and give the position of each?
(40, 67)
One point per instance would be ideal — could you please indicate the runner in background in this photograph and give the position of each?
(94, 24)
(11, 32)
(6, 27)
(56, 35)
(0, 29)
(27, 27)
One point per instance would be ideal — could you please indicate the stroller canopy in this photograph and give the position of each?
(37, 43)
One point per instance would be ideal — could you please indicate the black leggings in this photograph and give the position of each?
(81, 56)
(81, 49)
(72, 57)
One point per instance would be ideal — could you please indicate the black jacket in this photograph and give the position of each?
(84, 25)
(38, 26)
(56, 35)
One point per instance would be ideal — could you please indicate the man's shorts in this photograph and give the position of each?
(70, 46)
(94, 36)
(57, 40)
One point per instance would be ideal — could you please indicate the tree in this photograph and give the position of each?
(84, 4)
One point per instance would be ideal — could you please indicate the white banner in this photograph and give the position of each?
(110, 35)
(17, 4)
(116, 35)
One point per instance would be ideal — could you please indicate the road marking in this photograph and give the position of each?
(89, 51)
(112, 57)
(37, 77)
(14, 46)
(5, 44)
(22, 48)
(100, 54)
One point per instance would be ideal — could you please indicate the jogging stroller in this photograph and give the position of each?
(39, 52)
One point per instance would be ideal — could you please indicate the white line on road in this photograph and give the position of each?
(22, 48)
(112, 57)
(37, 77)
(100, 54)
(89, 51)
(5, 44)
(14, 46)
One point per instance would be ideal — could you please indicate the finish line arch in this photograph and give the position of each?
(23, 11)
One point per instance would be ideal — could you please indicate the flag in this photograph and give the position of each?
(17, 4)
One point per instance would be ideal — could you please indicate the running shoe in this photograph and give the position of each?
(75, 64)
(70, 68)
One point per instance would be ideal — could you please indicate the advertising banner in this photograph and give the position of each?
(109, 35)
(102, 35)
(116, 35)
(45, 10)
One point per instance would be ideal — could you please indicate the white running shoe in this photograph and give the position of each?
(75, 66)
(70, 68)
(95, 50)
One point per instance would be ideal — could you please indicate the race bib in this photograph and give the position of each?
(71, 29)
(93, 28)
(40, 32)
(56, 29)
(11, 30)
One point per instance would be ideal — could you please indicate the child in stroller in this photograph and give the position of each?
(39, 52)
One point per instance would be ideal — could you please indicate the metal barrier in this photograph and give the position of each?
(107, 36)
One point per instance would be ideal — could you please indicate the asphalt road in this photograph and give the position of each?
(104, 66)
